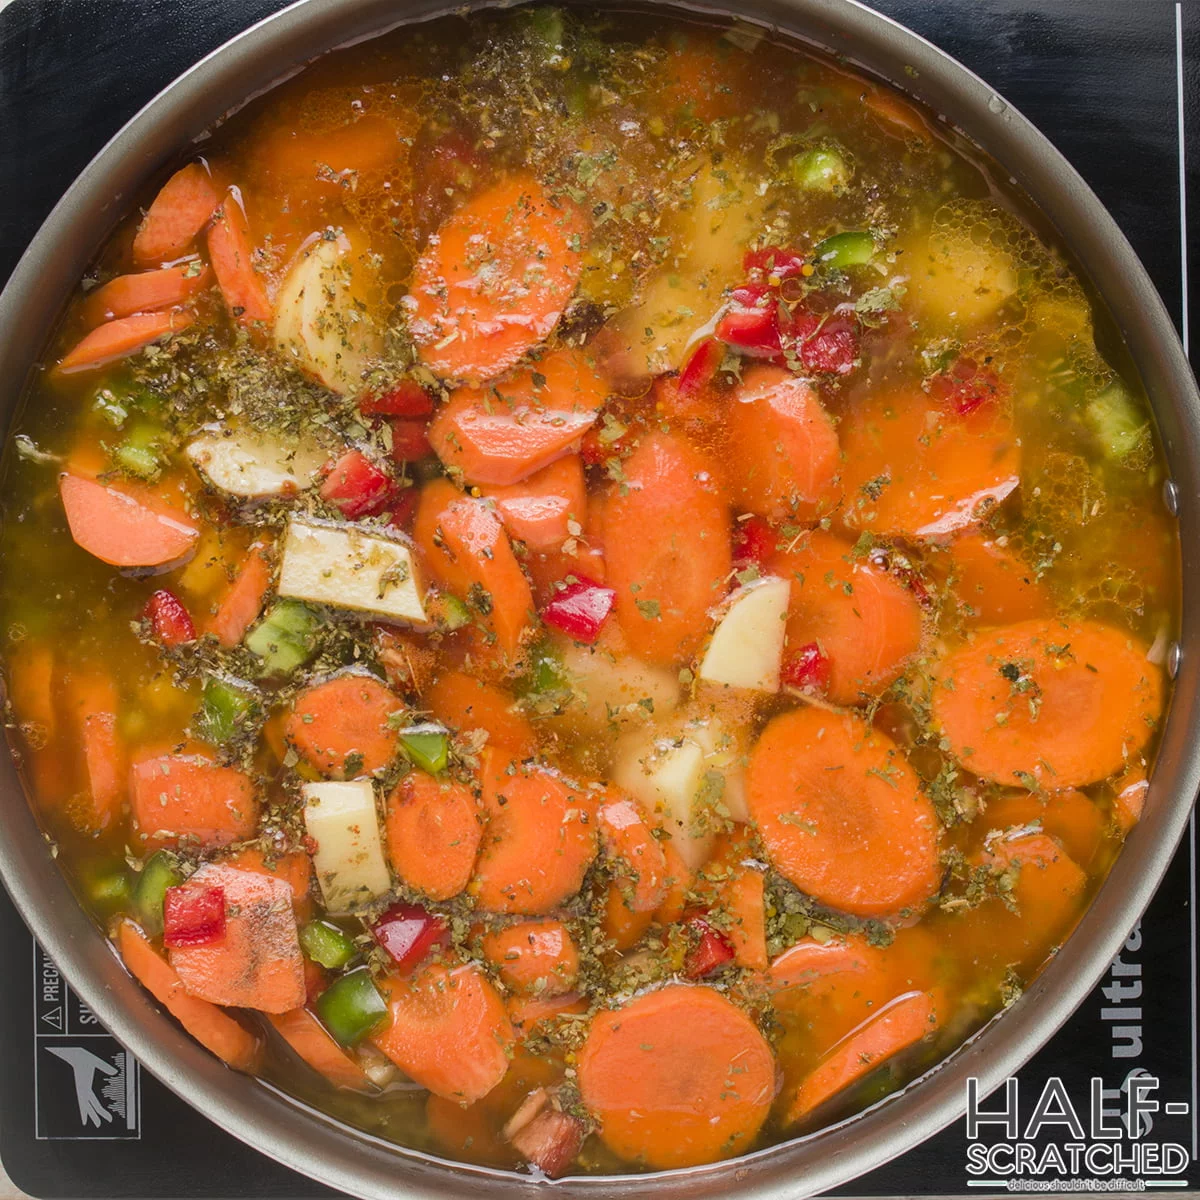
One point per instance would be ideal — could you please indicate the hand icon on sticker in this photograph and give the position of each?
(85, 1065)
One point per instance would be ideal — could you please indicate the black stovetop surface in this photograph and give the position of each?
(1106, 80)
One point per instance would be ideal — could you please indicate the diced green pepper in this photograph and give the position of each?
(227, 707)
(853, 248)
(544, 673)
(1121, 424)
(327, 945)
(351, 1007)
(548, 33)
(111, 407)
(820, 169)
(138, 453)
(159, 873)
(428, 746)
(286, 638)
(108, 889)
(449, 612)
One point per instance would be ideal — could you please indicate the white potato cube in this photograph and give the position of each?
(746, 649)
(341, 819)
(346, 567)
(255, 466)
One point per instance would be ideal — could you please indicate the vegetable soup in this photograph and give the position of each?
(584, 592)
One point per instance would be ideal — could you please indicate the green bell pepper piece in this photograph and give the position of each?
(427, 746)
(853, 248)
(351, 1007)
(327, 945)
(286, 638)
(159, 873)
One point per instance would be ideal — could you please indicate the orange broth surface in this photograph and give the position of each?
(585, 593)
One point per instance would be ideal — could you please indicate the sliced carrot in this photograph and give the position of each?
(1062, 704)
(679, 880)
(345, 727)
(502, 434)
(537, 958)
(784, 447)
(841, 813)
(539, 842)
(495, 278)
(622, 926)
(865, 622)
(212, 1028)
(31, 692)
(449, 1031)
(433, 831)
(913, 468)
(627, 838)
(119, 339)
(465, 704)
(258, 963)
(92, 703)
(1130, 798)
(182, 208)
(232, 253)
(294, 867)
(991, 585)
(901, 1024)
(467, 550)
(307, 1037)
(238, 609)
(677, 1077)
(528, 1012)
(541, 510)
(1073, 820)
(895, 114)
(123, 530)
(177, 796)
(667, 534)
(808, 961)
(329, 157)
(697, 81)
(145, 292)
(734, 888)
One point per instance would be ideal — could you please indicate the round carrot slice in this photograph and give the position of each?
(667, 538)
(449, 1031)
(915, 469)
(784, 446)
(539, 842)
(495, 278)
(343, 726)
(466, 704)
(433, 828)
(1070, 817)
(307, 1037)
(1061, 704)
(902, 1024)
(534, 957)
(866, 623)
(991, 585)
(677, 1077)
(841, 814)
(627, 837)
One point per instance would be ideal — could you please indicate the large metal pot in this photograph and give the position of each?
(364, 1165)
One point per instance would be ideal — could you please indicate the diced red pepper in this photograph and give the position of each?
(357, 486)
(169, 619)
(751, 322)
(902, 569)
(711, 950)
(410, 443)
(580, 609)
(753, 543)
(450, 163)
(824, 345)
(404, 507)
(966, 386)
(701, 366)
(404, 399)
(409, 932)
(774, 261)
(193, 915)
(807, 670)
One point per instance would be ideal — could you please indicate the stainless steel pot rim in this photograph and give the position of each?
(365, 1165)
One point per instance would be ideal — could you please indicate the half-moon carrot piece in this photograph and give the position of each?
(735, 892)
(91, 702)
(527, 1012)
(124, 530)
(145, 292)
(175, 796)
(865, 622)
(239, 607)
(307, 1037)
(915, 469)
(495, 278)
(627, 839)
(809, 960)
(119, 339)
(449, 1031)
(677, 1077)
(1070, 817)
(294, 867)
(344, 726)
(502, 434)
(539, 841)
(667, 535)
(991, 585)
(465, 703)
(679, 878)
(433, 828)
(536, 958)
(841, 813)
(182, 208)
(212, 1028)
(540, 510)
(1129, 798)
(232, 253)
(622, 926)
(1060, 704)
(901, 1024)
(784, 447)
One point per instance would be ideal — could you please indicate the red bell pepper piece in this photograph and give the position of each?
(357, 486)
(753, 543)
(404, 508)
(409, 932)
(824, 345)
(711, 950)
(404, 399)
(774, 261)
(409, 440)
(702, 364)
(193, 915)
(751, 322)
(966, 386)
(807, 670)
(169, 619)
(580, 609)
